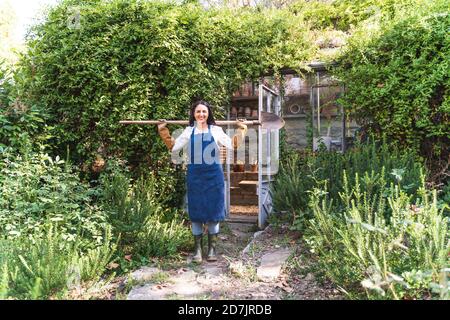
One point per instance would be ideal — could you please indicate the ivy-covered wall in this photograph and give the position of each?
(93, 63)
(398, 83)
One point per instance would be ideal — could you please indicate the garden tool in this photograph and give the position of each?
(267, 120)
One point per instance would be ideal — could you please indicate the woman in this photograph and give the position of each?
(205, 179)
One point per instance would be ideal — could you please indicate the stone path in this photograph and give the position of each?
(271, 264)
(251, 265)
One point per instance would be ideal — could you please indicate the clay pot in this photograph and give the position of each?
(248, 112)
(234, 112)
(254, 168)
(254, 113)
(239, 167)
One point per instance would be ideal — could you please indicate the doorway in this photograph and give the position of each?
(249, 172)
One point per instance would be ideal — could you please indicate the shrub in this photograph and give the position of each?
(377, 163)
(145, 60)
(22, 127)
(397, 82)
(37, 189)
(164, 238)
(395, 257)
(49, 266)
(141, 216)
(444, 199)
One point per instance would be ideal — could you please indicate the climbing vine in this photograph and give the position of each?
(93, 63)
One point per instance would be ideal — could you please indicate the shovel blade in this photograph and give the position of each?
(271, 121)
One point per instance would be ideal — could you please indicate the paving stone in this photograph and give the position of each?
(149, 291)
(271, 264)
(212, 270)
(211, 275)
(184, 284)
(187, 276)
(227, 278)
(187, 290)
(258, 233)
(144, 274)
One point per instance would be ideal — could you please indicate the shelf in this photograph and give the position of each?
(300, 116)
(297, 95)
(254, 98)
(249, 118)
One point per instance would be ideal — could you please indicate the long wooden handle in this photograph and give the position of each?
(267, 120)
(184, 122)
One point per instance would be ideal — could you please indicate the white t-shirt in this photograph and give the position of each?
(221, 138)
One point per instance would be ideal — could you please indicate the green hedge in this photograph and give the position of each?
(22, 127)
(397, 84)
(93, 63)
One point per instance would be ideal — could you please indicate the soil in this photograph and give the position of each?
(233, 276)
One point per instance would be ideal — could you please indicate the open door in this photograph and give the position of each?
(226, 156)
(268, 153)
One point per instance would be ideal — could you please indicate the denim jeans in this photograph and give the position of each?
(197, 228)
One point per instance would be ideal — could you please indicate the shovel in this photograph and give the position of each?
(268, 120)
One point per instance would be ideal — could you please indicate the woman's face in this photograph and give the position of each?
(201, 114)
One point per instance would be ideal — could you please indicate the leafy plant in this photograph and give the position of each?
(397, 82)
(377, 163)
(37, 189)
(141, 219)
(49, 266)
(22, 127)
(359, 246)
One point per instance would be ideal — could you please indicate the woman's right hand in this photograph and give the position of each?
(240, 124)
(165, 134)
(162, 125)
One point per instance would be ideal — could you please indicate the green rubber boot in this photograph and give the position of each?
(198, 248)
(212, 241)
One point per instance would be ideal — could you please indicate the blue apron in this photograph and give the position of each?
(205, 180)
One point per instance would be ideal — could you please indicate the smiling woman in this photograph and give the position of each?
(205, 180)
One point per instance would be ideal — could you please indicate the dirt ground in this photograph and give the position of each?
(234, 275)
(296, 280)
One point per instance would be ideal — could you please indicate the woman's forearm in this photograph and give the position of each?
(164, 133)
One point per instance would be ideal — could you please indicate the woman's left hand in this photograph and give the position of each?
(240, 124)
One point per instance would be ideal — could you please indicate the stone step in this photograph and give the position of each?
(248, 210)
(234, 218)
